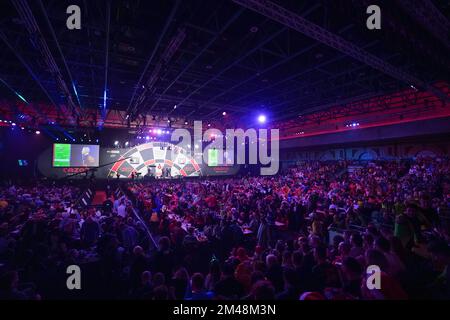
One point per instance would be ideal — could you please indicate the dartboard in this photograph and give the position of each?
(157, 155)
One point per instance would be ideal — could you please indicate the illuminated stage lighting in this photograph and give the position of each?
(262, 119)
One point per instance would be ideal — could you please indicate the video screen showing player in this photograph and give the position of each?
(75, 155)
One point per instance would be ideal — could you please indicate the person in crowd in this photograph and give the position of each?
(198, 291)
(228, 287)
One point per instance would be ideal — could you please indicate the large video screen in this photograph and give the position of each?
(75, 155)
(213, 157)
(215, 161)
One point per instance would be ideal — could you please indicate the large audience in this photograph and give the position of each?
(308, 233)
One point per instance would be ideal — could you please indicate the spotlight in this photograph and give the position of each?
(13, 124)
(96, 140)
(168, 120)
(224, 113)
(126, 144)
(262, 118)
(175, 106)
(22, 128)
(185, 123)
(209, 124)
(147, 138)
(38, 132)
(116, 143)
(159, 131)
(196, 146)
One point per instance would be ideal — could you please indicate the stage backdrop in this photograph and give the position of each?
(126, 161)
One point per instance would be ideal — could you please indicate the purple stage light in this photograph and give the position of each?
(262, 119)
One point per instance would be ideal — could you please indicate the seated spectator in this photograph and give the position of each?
(228, 287)
(198, 291)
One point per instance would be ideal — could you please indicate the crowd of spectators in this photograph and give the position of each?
(307, 233)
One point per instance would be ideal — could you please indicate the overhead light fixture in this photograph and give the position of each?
(262, 119)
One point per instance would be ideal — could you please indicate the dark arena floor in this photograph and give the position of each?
(233, 150)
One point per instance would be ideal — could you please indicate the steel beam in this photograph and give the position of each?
(426, 14)
(300, 24)
(200, 53)
(155, 49)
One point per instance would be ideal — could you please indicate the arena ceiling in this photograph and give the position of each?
(193, 60)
